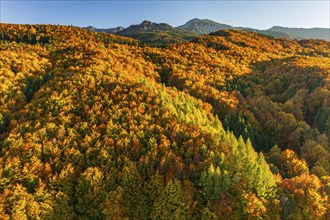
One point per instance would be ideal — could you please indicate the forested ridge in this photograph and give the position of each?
(232, 125)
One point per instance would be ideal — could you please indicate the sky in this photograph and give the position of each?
(109, 13)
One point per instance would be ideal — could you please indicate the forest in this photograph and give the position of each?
(231, 125)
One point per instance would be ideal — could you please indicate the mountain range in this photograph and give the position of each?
(310, 33)
(151, 33)
(162, 34)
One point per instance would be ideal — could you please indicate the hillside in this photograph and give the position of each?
(156, 34)
(206, 26)
(163, 34)
(203, 26)
(304, 33)
(106, 30)
(232, 125)
(271, 33)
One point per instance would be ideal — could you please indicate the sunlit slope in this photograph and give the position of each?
(93, 126)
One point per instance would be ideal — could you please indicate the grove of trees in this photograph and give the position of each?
(232, 125)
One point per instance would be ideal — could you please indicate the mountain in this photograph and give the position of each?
(147, 26)
(232, 125)
(106, 30)
(150, 33)
(155, 34)
(203, 26)
(304, 33)
(162, 34)
(206, 26)
(275, 34)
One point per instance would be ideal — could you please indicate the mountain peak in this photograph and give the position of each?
(91, 28)
(108, 30)
(146, 22)
(203, 26)
(195, 19)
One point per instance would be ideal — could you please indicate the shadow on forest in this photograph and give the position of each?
(274, 106)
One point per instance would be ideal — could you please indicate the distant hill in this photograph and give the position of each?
(203, 26)
(206, 26)
(161, 34)
(307, 33)
(146, 26)
(106, 30)
(275, 34)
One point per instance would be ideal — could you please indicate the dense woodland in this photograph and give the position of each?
(232, 125)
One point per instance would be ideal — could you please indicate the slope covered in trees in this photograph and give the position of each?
(233, 125)
(155, 34)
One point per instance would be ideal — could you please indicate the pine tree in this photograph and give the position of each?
(171, 204)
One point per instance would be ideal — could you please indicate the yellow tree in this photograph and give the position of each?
(307, 197)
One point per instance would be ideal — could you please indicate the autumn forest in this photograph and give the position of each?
(230, 125)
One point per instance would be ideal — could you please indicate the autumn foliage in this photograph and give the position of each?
(233, 125)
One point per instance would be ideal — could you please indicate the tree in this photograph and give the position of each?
(307, 196)
(293, 165)
(171, 204)
(287, 162)
(89, 194)
(112, 206)
(314, 153)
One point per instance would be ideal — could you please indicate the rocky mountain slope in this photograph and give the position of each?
(203, 26)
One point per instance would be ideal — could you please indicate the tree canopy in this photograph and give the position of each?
(232, 125)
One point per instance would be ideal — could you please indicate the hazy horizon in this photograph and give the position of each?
(108, 14)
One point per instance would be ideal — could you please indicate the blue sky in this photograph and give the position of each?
(108, 13)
